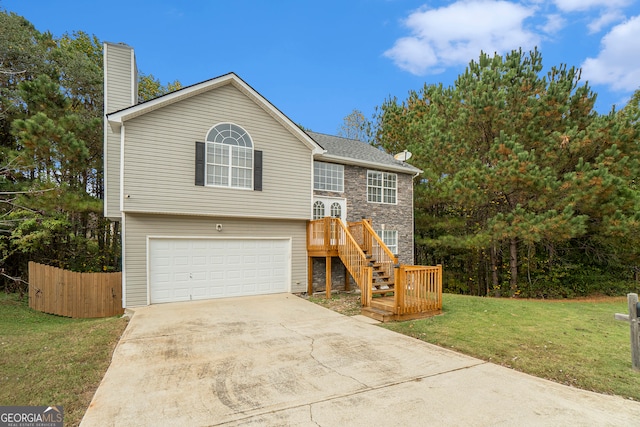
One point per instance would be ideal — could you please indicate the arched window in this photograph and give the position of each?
(336, 210)
(318, 210)
(229, 159)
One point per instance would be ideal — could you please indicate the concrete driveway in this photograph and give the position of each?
(279, 360)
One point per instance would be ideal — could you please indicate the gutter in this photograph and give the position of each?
(376, 165)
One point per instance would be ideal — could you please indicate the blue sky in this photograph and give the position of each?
(319, 60)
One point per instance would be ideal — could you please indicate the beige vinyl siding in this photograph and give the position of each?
(112, 175)
(119, 79)
(119, 85)
(160, 160)
(138, 227)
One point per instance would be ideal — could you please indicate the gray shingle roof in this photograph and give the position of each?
(351, 151)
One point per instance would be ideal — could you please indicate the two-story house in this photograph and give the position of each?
(215, 189)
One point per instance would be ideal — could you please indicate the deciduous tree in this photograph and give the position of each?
(355, 126)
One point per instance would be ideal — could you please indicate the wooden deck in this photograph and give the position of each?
(383, 310)
(389, 291)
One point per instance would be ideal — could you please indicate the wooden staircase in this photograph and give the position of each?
(382, 282)
(389, 291)
(381, 306)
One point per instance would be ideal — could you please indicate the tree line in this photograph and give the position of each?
(526, 189)
(51, 169)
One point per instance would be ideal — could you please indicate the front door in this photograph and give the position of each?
(329, 206)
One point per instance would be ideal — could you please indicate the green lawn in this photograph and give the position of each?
(573, 342)
(52, 360)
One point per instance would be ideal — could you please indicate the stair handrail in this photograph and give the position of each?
(355, 260)
(356, 230)
(379, 250)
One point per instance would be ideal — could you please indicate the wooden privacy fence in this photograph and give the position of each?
(79, 295)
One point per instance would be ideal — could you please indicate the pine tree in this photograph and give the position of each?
(519, 169)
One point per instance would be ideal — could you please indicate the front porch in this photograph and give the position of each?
(389, 291)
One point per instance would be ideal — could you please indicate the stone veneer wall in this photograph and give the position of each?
(338, 272)
(395, 217)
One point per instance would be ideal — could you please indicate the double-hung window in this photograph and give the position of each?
(390, 238)
(381, 187)
(229, 157)
(328, 177)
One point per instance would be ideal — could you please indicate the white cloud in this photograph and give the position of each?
(610, 11)
(618, 63)
(455, 34)
(604, 20)
(554, 24)
(582, 5)
(413, 55)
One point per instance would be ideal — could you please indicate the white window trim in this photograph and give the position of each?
(340, 169)
(229, 159)
(327, 201)
(382, 188)
(318, 203)
(386, 236)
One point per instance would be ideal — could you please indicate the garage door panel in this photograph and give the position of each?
(199, 260)
(163, 277)
(183, 244)
(199, 276)
(180, 295)
(161, 261)
(233, 291)
(181, 276)
(181, 260)
(199, 244)
(235, 244)
(199, 292)
(234, 259)
(163, 294)
(184, 269)
(216, 276)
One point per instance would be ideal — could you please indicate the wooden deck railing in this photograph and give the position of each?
(418, 289)
(356, 262)
(322, 235)
(379, 251)
(330, 234)
(355, 228)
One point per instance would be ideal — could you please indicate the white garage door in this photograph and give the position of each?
(194, 269)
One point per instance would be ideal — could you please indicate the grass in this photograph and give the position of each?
(52, 360)
(573, 342)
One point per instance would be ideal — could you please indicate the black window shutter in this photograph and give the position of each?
(257, 170)
(200, 154)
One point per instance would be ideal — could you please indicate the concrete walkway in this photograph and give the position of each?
(280, 360)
